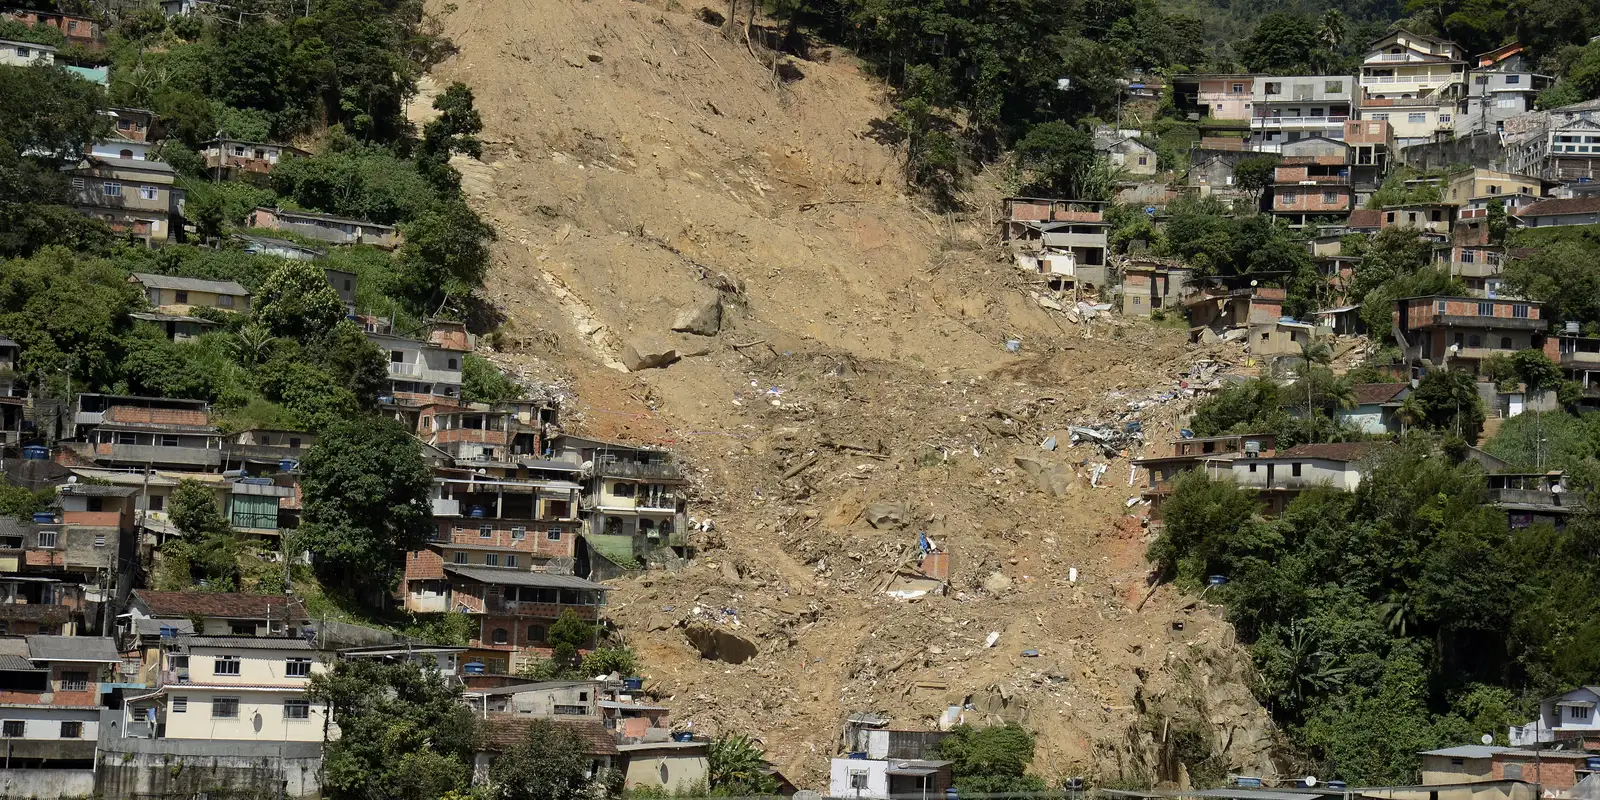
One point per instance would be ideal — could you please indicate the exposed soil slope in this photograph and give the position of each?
(639, 163)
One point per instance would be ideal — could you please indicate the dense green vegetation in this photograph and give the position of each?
(1395, 618)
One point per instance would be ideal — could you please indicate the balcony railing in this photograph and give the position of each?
(446, 508)
(404, 368)
(634, 469)
(1290, 122)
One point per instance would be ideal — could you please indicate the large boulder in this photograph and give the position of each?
(642, 354)
(1055, 480)
(886, 515)
(701, 319)
(719, 644)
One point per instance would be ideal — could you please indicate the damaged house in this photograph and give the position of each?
(1044, 228)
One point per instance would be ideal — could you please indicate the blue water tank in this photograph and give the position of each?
(34, 452)
(683, 736)
(44, 517)
(473, 667)
(633, 684)
(287, 465)
(1338, 785)
(476, 512)
(859, 756)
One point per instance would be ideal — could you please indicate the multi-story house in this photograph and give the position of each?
(1470, 254)
(1560, 211)
(77, 30)
(1287, 109)
(1218, 96)
(1371, 144)
(425, 371)
(140, 432)
(523, 523)
(233, 156)
(26, 54)
(232, 688)
(1566, 716)
(1488, 183)
(633, 496)
(1312, 181)
(1562, 144)
(1462, 331)
(1215, 454)
(326, 228)
(1500, 86)
(175, 295)
(513, 607)
(68, 559)
(1430, 220)
(1578, 356)
(1075, 228)
(505, 432)
(51, 691)
(1413, 82)
(136, 198)
(154, 619)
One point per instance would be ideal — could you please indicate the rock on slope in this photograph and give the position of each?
(639, 166)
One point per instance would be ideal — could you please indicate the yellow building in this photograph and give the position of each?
(174, 295)
(134, 197)
(1489, 183)
(1414, 82)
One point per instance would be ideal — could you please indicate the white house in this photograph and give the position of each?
(1559, 716)
(1282, 476)
(233, 688)
(121, 148)
(1374, 411)
(26, 54)
(882, 779)
(1413, 82)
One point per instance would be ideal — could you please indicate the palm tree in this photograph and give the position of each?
(1312, 353)
(738, 764)
(1397, 613)
(1331, 28)
(1410, 413)
(251, 345)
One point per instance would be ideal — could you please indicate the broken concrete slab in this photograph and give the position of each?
(1053, 479)
(719, 644)
(886, 515)
(640, 355)
(702, 319)
(996, 582)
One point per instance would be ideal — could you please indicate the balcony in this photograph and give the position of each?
(405, 369)
(155, 454)
(446, 508)
(1298, 122)
(1499, 323)
(1581, 359)
(661, 471)
(1535, 497)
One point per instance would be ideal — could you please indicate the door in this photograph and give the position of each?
(1271, 468)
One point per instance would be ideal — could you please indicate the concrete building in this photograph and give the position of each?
(174, 295)
(136, 198)
(512, 607)
(1374, 411)
(1465, 764)
(883, 779)
(1280, 477)
(77, 30)
(1126, 152)
(1291, 108)
(633, 503)
(1312, 181)
(1558, 212)
(424, 371)
(1372, 145)
(1562, 144)
(222, 613)
(1226, 305)
(669, 766)
(1462, 331)
(1414, 82)
(234, 156)
(1047, 226)
(139, 432)
(326, 228)
(1152, 286)
(121, 148)
(1500, 86)
(1433, 220)
(1564, 716)
(1215, 454)
(50, 699)
(1218, 96)
(232, 688)
(26, 54)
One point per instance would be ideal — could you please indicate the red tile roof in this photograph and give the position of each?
(1373, 393)
(220, 604)
(1573, 205)
(1336, 451)
(501, 731)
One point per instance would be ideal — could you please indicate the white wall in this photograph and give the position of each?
(1313, 472)
(260, 716)
(45, 723)
(1366, 419)
(839, 772)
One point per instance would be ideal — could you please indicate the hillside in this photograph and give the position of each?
(637, 164)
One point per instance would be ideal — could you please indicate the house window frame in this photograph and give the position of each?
(7, 731)
(72, 729)
(301, 709)
(226, 665)
(224, 708)
(297, 668)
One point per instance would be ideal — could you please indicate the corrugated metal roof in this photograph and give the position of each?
(248, 642)
(189, 284)
(1466, 751)
(73, 648)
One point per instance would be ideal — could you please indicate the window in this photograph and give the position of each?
(1458, 762)
(241, 629)
(1481, 80)
(511, 560)
(71, 730)
(1294, 470)
(180, 297)
(460, 557)
(13, 728)
(146, 192)
(1439, 307)
(858, 780)
(1274, 87)
(1329, 197)
(347, 284)
(491, 559)
(1474, 340)
(225, 708)
(1513, 80)
(1252, 468)
(553, 535)
(72, 25)
(1389, 217)
(1143, 160)
(1289, 198)
(168, 440)
(1505, 343)
(22, 52)
(1468, 257)
(451, 364)
(500, 636)
(297, 668)
(47, 540)
(127, 437)
(1519, 311)
(1445, 118)
(518, 534)
(1484, 309)
(1237, 88)
(225, 301)
(1417, 117)
(1333, 87)
(158, 502)
(77, 183)
(294, 442)
(1579, 713)
(180, 705)
(110, 189)
(297, 709)
(485, 531)
(99, 540)
(74, 681)
(225, 665)
(1380, 118)
(128, 154)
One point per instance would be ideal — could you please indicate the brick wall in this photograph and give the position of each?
(157, 416)
(424, 565)
(88, 697)
(1553, 773)
(1287, 174)
(536, 541)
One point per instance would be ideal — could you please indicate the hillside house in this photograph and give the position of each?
(282, 248)
(1312, 181)
(1127, 152)
(174, 295)
(1291, 108)
(1151, 286)
(50, 699)
(1413, 82)
(633, 503)
(1215, 95)
(121, 148)
(1502, 84)
(139, 432)
(234, 156)
(1558, 212)
(26, 54)
(1473, 763)
(222, 613)
(326, 228)
(428, 370)
(1077, 227)
(1222, 307)
(231, 688)
(500, 732)
(78, 30)
(512, 607)
(133, 124)
(1564, 716)
(883, 779)
(1283, 337)
(1371, 145)
(1430, 220)
(1280, 477)
(1465, 330)
(1215, 454)
(1375, 407)
(136, 198)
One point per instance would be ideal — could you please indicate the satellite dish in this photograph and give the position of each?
(1487, 738)
(1311, 780)
(1253, 283)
